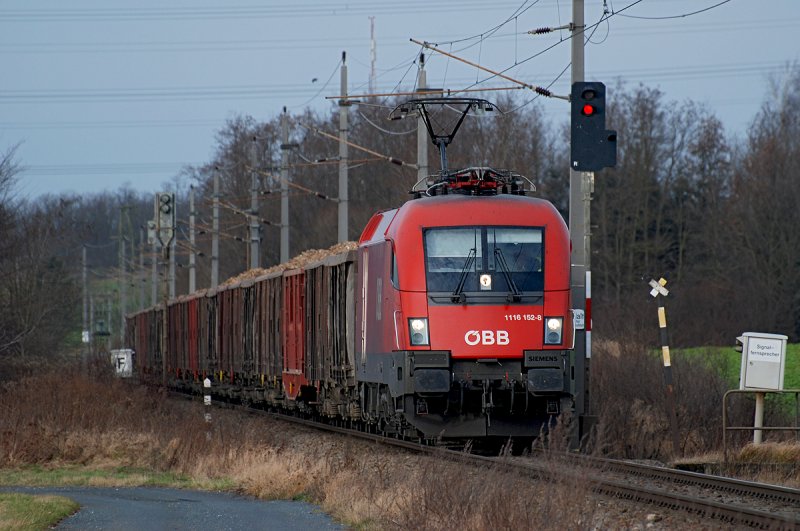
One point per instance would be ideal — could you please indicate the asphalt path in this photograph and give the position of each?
(145, 508)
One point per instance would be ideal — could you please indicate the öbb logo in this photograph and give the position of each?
(486, 337)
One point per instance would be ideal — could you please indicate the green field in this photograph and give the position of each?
(729, 361)
(23, 512)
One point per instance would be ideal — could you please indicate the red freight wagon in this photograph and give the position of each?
(294, 333)
(193, 337)
(207, 335)
(268, 308)
(244, 356)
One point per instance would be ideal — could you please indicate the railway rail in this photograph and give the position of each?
(726, 501)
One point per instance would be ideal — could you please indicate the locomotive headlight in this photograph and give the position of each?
(553, 330)
(418, 331)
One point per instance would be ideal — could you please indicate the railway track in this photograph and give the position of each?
(726, 500)
(721, 500)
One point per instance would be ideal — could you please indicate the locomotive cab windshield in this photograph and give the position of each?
(484, 263)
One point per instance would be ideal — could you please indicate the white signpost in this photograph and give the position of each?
(763, 366)
(207, 403)
(122, 362)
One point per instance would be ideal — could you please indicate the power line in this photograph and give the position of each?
(488, 33)
(40, 170)
(151, 94)
(391, 41)
(109, 124)
(382, 130)
(322, 88)
(683, 15)
(309, 9)
(387, 158)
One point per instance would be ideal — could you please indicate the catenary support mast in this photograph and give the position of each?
(343, 130)
(284, 187)
(581, 186)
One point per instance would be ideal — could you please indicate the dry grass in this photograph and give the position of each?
(69, 420)
(772, 453)
(776, 463)
(630, 398)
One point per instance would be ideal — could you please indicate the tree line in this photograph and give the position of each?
(713, 213)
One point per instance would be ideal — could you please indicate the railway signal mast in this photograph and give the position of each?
(592, 148)
(165, 233)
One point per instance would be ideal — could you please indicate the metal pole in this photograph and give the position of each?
(254, 225)
(108, 320)
(87, 332)
(759, 418)
(422, 135)
(123, 291)
(154, 272)
(192, 250)
(215, 233)
(91, 328)
(166, 259)
(343, 130)
(284, 187)
(581, 186)
(372, 55)
(142, 275)
(171, 262)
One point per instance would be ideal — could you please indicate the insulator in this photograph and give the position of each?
(543, 91)
(539, 31)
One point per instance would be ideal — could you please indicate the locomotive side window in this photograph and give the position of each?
(395, 279)
(484, 260)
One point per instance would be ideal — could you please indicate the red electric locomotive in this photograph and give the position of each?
(451, 321)
(463, 311)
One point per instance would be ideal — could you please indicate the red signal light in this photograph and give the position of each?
(588, 109)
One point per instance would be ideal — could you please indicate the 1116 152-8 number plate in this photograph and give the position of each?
(523, 317)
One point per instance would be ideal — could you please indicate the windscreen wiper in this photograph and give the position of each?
(515, 295)
(458, 293)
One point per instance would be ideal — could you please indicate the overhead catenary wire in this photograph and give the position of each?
(238, 210)
(322, 88)
(546, 92)
(539, 90)
(305, 9)
(589, 38)
(491, 31)
(332, 160)
(386, 131)
(387, 158)
(682, 15)
(291, 184)
(421, 93)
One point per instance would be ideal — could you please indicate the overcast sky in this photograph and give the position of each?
(99, 94)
